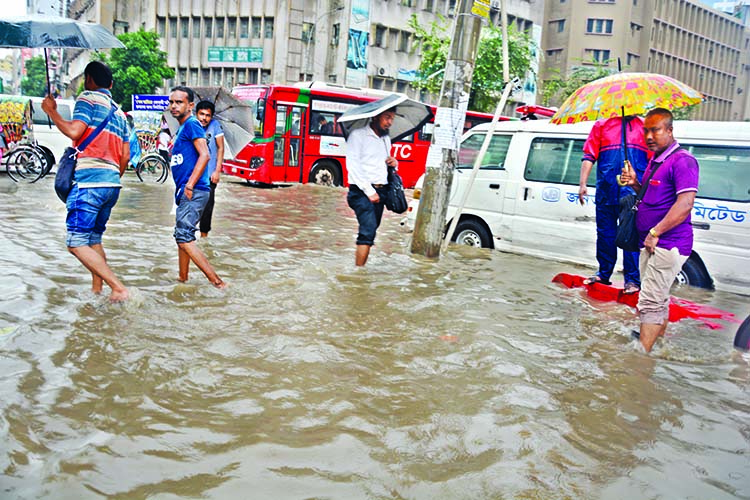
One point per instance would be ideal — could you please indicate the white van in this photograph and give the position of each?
(51, 140)
(525, 197)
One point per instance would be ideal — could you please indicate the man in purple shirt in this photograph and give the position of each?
(663, 221)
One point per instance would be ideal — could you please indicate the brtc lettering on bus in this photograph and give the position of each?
(402, 151)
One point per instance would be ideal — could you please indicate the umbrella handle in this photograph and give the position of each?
(630, 171)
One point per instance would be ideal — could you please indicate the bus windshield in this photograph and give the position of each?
(255, 96)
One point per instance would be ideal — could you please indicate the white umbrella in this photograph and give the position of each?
(411, 115)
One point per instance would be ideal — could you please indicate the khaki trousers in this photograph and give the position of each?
(658, 272)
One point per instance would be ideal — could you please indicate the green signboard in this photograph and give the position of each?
(238, 57)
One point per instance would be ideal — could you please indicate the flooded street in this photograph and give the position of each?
(473, 377)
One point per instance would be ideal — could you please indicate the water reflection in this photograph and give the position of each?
(473, 377)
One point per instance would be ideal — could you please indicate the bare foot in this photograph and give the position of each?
(120, 296)
(219, 284)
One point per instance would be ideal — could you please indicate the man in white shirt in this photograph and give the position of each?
(368, 156)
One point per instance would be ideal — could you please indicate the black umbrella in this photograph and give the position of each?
(54, 32)
(410, 115)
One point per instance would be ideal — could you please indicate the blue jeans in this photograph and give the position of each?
(606, 250)
(88, 213)
(188, 215)
(368, 213)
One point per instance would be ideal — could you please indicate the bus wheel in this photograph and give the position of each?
(694, 273)
(325, 174)
(472, 233)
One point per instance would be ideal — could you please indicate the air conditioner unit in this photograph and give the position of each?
(382, 71)
(495, 4)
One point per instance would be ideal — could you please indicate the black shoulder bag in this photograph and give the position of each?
(66, 168)
(396, 199)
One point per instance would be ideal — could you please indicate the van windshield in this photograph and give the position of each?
(39, 117)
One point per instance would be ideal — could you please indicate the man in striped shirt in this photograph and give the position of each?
(96, 182)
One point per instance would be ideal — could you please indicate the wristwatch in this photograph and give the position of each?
(652, 232)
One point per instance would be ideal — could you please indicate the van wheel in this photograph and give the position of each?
(325, 174)
(694, 273)
(472, 233)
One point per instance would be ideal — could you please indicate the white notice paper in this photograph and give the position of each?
(449, 125)
(434, 157)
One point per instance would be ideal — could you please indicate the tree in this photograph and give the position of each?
(35, 81)
(487, 81)
(556, 89)
(139, 68)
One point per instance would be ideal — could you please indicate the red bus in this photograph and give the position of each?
(298, 139)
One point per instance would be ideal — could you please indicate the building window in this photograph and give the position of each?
(632, 59)
(184, 27)
(205, 77)
(161, 27)
(232, 28)
(268, 21)
(308, 32)
(599, 26)
(220, 28)
(256, 27)
(208, 25)
(335, 32)
(193, 77)
(217, 77)
(172, 27)
(244, 28)
(403, 45)
(597, 55)
(241, 77)
(265, 76)
(254, 76)
(379, 36)
(554, 55)
(601, 1)
(429, 5)
(196, 27)
(407, 3)
(451, 8)
(558, 25)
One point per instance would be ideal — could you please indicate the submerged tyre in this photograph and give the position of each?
(694, 273)
(325, 174)
(472, 233)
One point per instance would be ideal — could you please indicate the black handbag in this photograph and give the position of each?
(627, 234)
(396, 199)
(66, 168)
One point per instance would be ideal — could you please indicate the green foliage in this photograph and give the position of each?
(557, 89)
(139, 68)
(35, 81)
(487, 81)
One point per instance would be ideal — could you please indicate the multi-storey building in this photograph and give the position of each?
(679, 38)
(229, 42)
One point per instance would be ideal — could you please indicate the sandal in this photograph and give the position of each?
(630, 288)
(595, 279)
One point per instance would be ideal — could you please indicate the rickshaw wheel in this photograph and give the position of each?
(152, 168)
(25, 164)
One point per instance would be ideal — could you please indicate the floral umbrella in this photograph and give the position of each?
(623, 94)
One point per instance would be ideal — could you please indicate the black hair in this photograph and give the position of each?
(663, 112)
(187, 90)
(205, 105)
(100, 73)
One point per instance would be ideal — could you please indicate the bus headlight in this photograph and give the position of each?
(256, 162)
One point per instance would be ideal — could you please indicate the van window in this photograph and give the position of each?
(556, 160)
(40, 117)
(724, 172)
(494, 159)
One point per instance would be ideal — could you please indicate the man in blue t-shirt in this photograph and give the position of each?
(204, 112)
(189, 159)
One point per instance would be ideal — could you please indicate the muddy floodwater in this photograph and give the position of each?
(473, 377)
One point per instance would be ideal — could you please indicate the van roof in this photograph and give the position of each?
(683, 129)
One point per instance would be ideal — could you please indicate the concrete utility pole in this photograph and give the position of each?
(449, 121)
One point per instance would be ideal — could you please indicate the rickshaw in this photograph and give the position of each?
(23, 159)
(148, 146)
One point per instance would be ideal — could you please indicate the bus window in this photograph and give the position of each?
(260, 116)
(296, 117)
(278, 151)
(322, 123)
(426, 133)
(280, 119)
